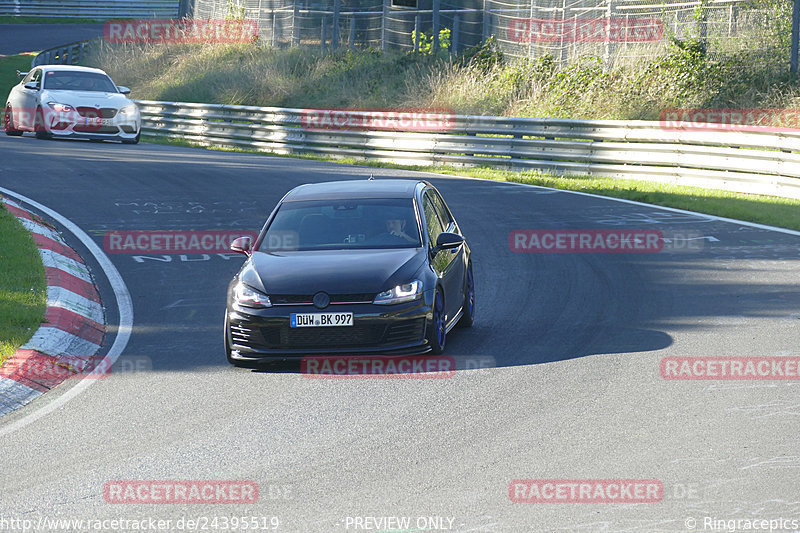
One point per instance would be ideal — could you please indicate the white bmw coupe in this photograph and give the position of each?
(71, 101)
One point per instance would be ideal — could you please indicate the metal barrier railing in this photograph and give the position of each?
(758, 162)
(68, 54)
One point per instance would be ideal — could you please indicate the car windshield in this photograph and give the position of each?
(343, 224)
(73, 80)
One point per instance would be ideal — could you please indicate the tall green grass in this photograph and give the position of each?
(681, 74)
(23, 294)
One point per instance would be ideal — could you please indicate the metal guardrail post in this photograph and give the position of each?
(436, 25)
(274, 30)
(417, 31)
(485, 19)
(295, 24)
(795, 49)
(384, 22)
(352, 40)
(454, 37)
(337, 5)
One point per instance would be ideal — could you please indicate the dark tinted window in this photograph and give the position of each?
(71, 80)
(441, 210)
(434, 225)
(343, 224)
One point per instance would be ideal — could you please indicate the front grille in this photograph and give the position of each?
(93, 112)
(331, 337)
(406, 331)
(288, 299)
(111, 130)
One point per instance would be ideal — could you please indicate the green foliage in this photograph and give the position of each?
(483, 56)
(426, 42)
(233, 11)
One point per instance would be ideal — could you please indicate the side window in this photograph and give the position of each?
(441, 210)
(432, 221)
(34, 76)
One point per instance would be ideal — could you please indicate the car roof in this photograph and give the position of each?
(70, 67)
(334, 190)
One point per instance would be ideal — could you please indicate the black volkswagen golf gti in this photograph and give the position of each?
(369, 266)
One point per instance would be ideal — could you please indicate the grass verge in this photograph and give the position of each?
(770, 210)
(23, 292)
(8, 72)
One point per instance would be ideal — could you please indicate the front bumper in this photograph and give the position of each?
(71, 124)
(258, 334)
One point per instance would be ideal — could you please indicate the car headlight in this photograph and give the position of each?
(406, 292)
(130, 110)
(248, 297)
(61, 108)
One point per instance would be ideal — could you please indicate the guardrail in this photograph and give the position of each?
(750, 162)
(69, 54)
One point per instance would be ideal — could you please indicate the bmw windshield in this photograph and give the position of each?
(343, 224)
(72, 80)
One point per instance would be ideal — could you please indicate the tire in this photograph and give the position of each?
(135, 140)
(468, 308)
(8, 123)
(437, 329)
(39, 125)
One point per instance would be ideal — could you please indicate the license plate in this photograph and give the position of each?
(318, 320)
(95, 121)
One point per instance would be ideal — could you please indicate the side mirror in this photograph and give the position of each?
(242, 245)
(448, 241)
(32, 85)
(123, 89)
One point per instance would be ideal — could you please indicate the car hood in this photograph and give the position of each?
(86, 98)
(332, 271)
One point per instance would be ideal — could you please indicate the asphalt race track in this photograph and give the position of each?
(19, 38)
(572, 390)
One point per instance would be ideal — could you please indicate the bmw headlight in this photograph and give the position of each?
(61, 108)
(129, 110)
(406, 292)
(249, 297)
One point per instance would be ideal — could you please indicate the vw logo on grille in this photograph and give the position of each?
(321, 300)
